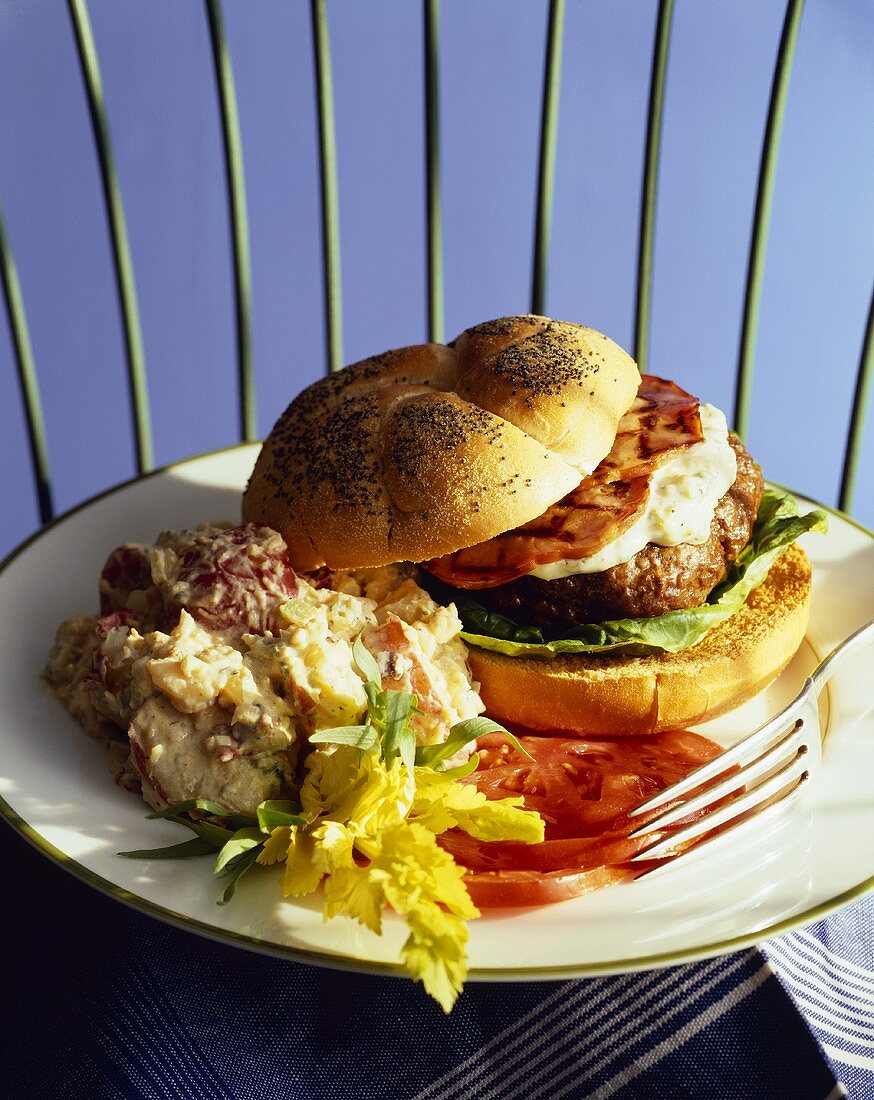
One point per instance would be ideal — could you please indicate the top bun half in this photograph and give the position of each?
(422, 451)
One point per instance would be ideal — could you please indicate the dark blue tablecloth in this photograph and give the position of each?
(102, 1002)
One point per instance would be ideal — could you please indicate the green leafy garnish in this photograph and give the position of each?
(236, 850)
(399, 738)
(197, 846)
(237, 867)
(360, 737)
(461, 734)
(463, 770)
(205, 806)
(777, 526)
(241, 842)
(366, 662)
(276, 812)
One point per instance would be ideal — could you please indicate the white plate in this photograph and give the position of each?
(57, 791)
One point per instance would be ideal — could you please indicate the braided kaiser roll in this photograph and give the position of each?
(391, 458)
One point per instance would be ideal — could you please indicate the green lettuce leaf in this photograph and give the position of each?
(778, 525)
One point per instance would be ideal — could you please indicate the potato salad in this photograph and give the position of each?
(212, 663)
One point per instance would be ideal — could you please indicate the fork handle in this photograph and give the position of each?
(856, 641)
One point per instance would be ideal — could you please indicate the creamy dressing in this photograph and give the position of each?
(683, 496)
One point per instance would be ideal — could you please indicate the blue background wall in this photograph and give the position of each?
(163, 113)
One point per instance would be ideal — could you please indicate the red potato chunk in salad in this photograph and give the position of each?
(232, 580)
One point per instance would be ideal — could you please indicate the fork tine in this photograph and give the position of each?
(703, 847)
(745, 750)
(794, 771)
(794, 742)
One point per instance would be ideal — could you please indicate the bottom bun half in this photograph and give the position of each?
(616, 695)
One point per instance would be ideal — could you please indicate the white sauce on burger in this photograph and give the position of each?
(683, 495)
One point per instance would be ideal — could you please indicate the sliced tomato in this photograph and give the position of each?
(584, 791)
(515, 889)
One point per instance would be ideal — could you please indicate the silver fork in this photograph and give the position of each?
(774, 763)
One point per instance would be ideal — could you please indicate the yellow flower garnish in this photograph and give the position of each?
(441, 803)
(276, 845)
(301, 875)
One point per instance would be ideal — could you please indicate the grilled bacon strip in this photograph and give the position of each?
(662, 420)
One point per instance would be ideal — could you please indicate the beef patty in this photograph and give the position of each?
(655, 580)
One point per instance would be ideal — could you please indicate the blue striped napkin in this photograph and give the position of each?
(103, 1002)
(829, 971)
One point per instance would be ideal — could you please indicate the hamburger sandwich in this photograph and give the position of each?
(614, 555)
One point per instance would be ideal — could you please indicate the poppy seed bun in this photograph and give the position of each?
(611, 696)
(427, 449)
(565, 385)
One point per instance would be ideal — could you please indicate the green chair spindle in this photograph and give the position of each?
(124, 273)
(431, 16)
(328, 183)
(239, 225)
(546, 167)
(861, 399)
(27, 380)
(762, 216)
(646, 233)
